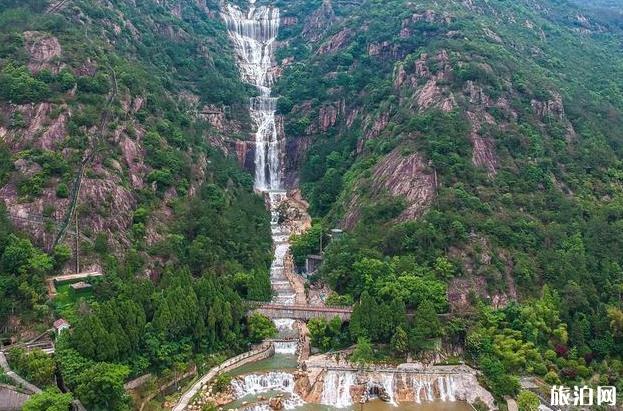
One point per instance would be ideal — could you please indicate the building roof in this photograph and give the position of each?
(10, 399)
(80, 285)
(60, 323)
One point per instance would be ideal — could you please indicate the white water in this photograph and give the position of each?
(254, 384)
(336, 389)
(253, 36)
(286, 347)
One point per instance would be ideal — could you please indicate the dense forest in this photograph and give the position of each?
(182, 242)
(504, 119)
(470, 150)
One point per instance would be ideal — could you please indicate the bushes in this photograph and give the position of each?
(260, 328)
(19, 86)
(48, 400)
(36, 366)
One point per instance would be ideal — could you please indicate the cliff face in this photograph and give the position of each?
(392, 109)
(123, 118)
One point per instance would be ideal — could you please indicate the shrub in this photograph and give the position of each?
(62, 191)
(18, 86)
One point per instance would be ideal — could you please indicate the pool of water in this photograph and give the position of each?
(280, 362)
(375, 405)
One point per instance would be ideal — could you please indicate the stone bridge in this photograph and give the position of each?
(303, 312)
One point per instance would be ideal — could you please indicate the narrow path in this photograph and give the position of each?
(233, 362)
(19, 381)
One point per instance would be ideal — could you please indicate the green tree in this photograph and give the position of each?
(426, 326)
(260, 327)
(100, 387)
(363, 353)
(400, 342)
(48, 400)
(528, 401)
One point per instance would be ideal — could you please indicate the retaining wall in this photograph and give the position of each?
(263, 352)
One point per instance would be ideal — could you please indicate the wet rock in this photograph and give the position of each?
(276, 403)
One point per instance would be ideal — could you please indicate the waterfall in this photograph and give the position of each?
(430, 388)
(283, 291)
(286, 347)
(336, 389)
(253, 35)
(284, 324)
(254, 384)
(259, 383)
(446, 388)
(387, 382)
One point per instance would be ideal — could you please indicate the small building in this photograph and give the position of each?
(11, 399)
(60, 325)
(312, 262)
(80, 286)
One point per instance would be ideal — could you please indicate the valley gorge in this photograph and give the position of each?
(191, 190)
(253, 34)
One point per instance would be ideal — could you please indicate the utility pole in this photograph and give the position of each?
(77, 244)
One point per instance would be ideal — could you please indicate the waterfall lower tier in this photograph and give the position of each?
(336, 389)
(342, 389)
(254, 384)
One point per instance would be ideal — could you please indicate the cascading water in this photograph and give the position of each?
(253, 384)
(425, 388)
(336, 389)
(253, 35)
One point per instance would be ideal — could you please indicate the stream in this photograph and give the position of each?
(253, 34)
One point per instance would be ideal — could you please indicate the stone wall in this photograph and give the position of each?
(264, 351)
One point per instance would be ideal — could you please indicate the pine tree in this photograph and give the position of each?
(425, 326)
(400, 342)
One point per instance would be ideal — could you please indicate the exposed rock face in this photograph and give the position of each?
(483, 152)
(317, 24)
(422, 89)
(42, 49)
(41, 131)
(289, 21)
(110, 207)
(401, 176)
(133, 154)
(335, 42)
(385, 49)
(327, 117)
(28, 216)
(214, 115)
(296, 150)
(554, 108)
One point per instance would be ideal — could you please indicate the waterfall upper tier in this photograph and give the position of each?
(253, 35)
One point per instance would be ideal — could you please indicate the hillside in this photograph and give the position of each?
(471, 150)
(116, 122)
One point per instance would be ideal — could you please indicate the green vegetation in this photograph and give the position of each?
(541, 229)
(328, 335)
(23, 268)
(260, 327)
(35, 366)
(528, 401)
(197, 228)
(48, 400)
